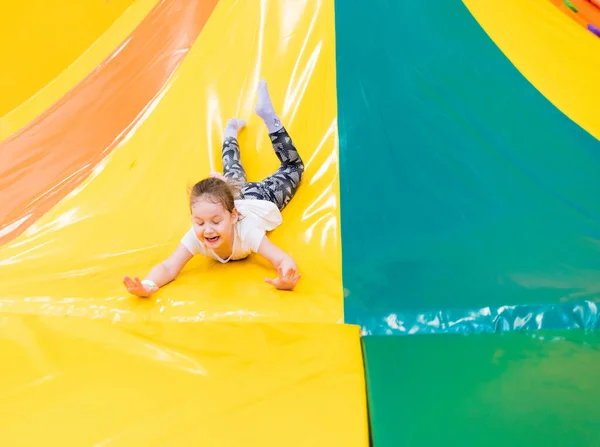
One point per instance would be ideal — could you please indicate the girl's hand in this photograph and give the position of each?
(135, 287)
(286, 279)
(287, 271)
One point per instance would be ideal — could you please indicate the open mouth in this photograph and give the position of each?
(211, 239)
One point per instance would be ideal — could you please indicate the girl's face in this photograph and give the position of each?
(213, 224)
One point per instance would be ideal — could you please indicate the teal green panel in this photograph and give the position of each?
(484, 390)
(463, 190)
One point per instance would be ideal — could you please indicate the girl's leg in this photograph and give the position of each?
(230, 153)
(280, 187)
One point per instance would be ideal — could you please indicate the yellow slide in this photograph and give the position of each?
(94, 172)
(47, 49)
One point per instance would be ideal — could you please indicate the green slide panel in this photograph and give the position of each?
(484, 390)
(469, 202)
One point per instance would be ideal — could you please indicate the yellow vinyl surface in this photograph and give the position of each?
(557, 55)
(132, 212)
(75, 382)
(40, 38)
(29, 93)
(218, 357)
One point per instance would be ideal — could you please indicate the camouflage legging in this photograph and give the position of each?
(278, 188)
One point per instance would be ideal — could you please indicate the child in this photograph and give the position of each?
(230, 216)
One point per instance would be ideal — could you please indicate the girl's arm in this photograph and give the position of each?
(285, 265)
(161, 274)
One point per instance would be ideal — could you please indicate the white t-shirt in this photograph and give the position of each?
(256, 218)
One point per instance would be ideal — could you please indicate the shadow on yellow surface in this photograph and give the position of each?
(218, 357)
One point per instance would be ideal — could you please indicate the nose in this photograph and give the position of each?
(209, 231)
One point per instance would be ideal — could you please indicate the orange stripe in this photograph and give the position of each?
(43, 162)
(587, 12)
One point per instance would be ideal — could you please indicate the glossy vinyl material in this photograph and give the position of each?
(69, 76)
(218, 357)
(583, 315)
(76, 382)
(131, 212)
(127, 81)
(512, 389)
(485, 196)
(40, 38)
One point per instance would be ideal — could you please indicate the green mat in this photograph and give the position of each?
(484, 390)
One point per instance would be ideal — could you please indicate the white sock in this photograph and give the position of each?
(232, 128)
(264, 108)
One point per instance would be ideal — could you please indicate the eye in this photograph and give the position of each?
(216, 222)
